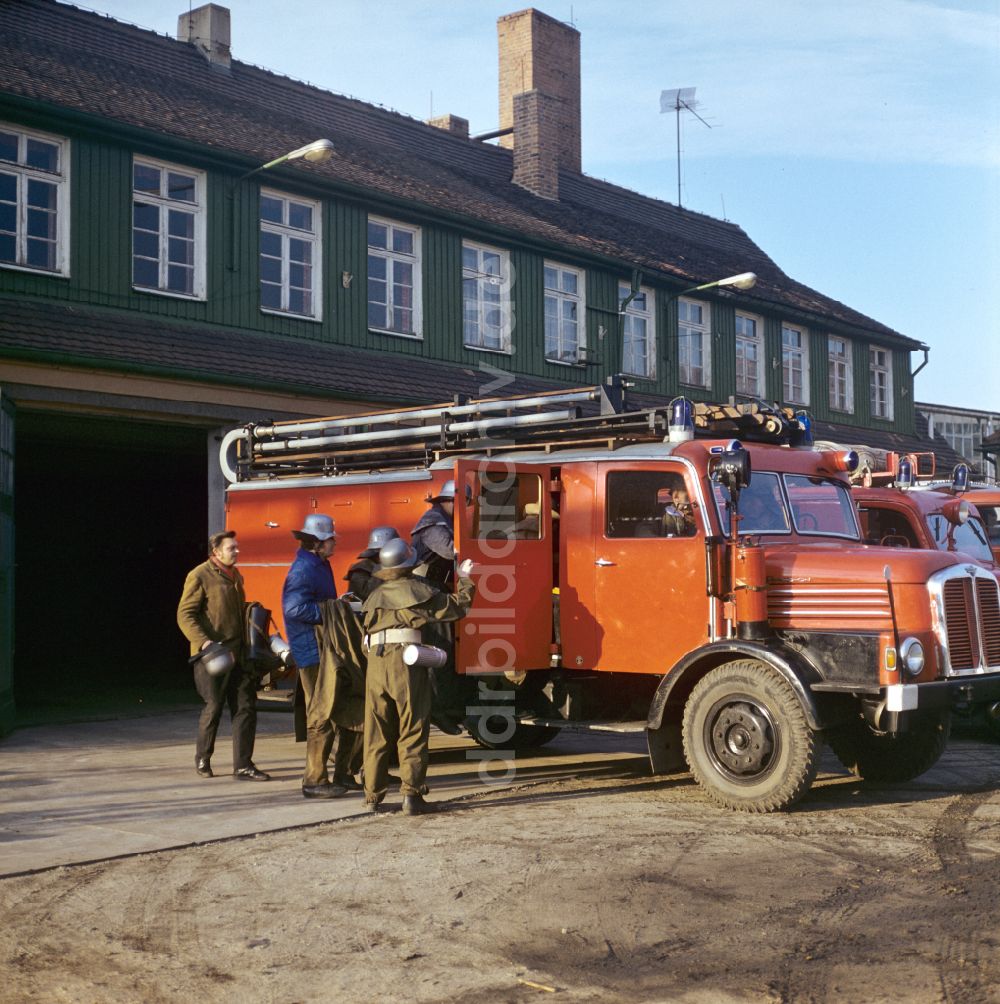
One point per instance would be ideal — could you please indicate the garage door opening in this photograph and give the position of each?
(109, 517)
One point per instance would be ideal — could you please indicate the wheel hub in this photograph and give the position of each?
(741, 739)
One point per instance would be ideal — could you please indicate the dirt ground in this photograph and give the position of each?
(622, 888)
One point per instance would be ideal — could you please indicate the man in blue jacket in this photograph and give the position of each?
(309, 582)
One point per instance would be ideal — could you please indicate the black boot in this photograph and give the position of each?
(414, 805)
(204, 767)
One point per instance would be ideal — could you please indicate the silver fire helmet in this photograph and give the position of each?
(447, 493)
(217, 660)
(379, 536)
(319, 526)
(396, 554)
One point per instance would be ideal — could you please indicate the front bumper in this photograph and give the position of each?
(942, 693)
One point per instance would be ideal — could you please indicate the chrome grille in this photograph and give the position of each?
(961, 636)
(967, 622)
(988, 601)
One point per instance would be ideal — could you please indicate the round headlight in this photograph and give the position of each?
(911, 654)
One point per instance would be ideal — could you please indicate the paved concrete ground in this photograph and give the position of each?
(86, 792)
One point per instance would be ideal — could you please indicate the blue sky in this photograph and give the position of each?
(856, 141)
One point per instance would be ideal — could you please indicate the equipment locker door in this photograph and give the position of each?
(650, 593)
(505, 526)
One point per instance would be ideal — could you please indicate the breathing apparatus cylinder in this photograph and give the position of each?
(424, 655)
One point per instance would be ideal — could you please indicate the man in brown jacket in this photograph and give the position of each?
(212, 609)
(397, 695)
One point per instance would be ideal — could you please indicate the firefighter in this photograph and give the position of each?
(308, 584)
(211, 615)
(397, 695)
(434, 537)
(678, 519)
(359, 575)
(434, 543)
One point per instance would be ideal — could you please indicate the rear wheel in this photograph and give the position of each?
(497, 732)
(494, 725)
(747, 740)
(880, 756)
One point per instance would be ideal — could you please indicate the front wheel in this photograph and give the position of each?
(747, 740)
(882, 756)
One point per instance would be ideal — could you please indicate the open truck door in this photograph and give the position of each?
(505, 524)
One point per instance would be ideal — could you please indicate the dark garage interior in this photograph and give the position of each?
(110, 514)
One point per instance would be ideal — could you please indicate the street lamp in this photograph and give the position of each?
(743, 281)
(315, 152)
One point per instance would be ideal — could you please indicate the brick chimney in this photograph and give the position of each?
(451, 123)
(540, 55)
(207, 29)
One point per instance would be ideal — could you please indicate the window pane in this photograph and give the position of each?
(491, 263)
(180, 252)
(270, 244)
(145, 273)
(145, 245)
(180, 187)
(271, 209)
(180, 224)
(8, 247)
(270, 296)
(376, 315)
(470, 259)
(378, 235)
(402, 241)
(145, 217)
(297, 301)
(377, 268)
(551, 278)
(41, 155)
(8, 218)
(270, 269)
(41, 224)
(180, 279)
(402, 273)
(570, 282)
(300, 216)
(8, 146)
(41, 254)
(300, 250)
(8, 187)
(41, 194)
(146, 178)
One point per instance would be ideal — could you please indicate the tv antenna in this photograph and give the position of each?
(674, 101)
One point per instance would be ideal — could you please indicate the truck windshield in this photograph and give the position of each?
(773, 504)
(969, 537)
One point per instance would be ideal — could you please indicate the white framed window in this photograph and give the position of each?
(638, 332)
(794, 365)
(486, 310)
(880, 367)
(168, 229)
(694, 342)
(841, 374)
(749, 355)
(34, 200)
(565, 340)
(290, 255)
(394, 300)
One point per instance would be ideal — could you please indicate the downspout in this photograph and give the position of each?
(927, 353)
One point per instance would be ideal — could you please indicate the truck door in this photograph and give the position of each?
(506, 527)
(651, 606)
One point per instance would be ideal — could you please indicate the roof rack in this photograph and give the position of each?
(417, 437)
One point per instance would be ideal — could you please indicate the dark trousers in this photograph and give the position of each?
(238, 689)
(348, 752)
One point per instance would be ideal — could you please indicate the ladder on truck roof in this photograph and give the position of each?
(417, 437)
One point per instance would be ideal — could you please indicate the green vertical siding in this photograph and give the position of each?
(100, 273)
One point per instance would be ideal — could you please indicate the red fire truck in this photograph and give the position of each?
(695, 573)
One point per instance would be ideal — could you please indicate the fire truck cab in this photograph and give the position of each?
(712, 590)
